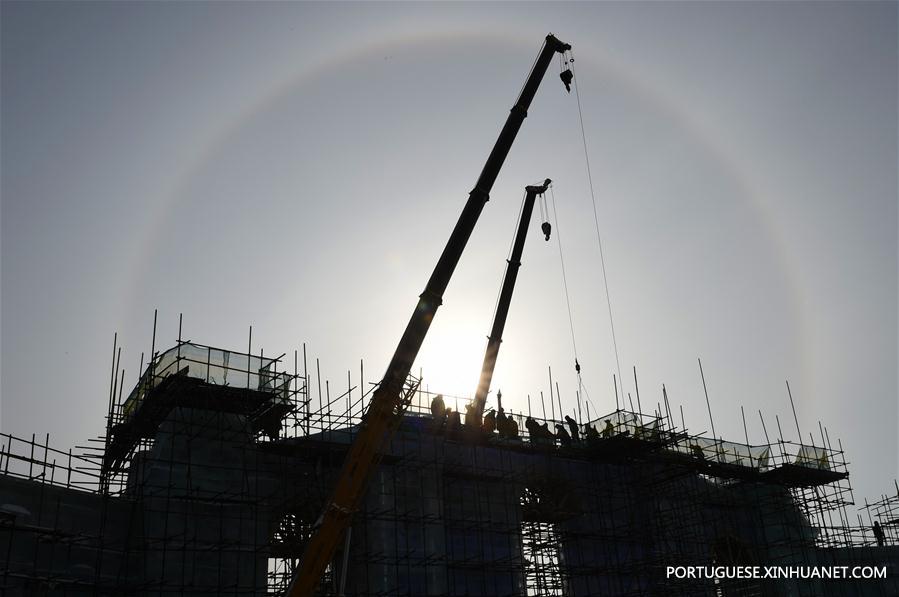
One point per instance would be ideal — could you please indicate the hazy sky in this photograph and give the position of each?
(298, 167)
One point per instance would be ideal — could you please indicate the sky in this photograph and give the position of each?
(298, 167)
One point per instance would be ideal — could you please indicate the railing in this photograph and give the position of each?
(214, 366)
(656, 429)
(35, 461)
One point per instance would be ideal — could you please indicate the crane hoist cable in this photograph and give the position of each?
(564, 277)
(545, 227)
(577, 365)
(569, 63)
(541, 203)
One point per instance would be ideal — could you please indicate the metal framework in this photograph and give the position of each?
(215, 468)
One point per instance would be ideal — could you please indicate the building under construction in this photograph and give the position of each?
(217, 464)
(216, 476)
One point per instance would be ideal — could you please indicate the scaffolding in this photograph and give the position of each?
(885, 512)
(215, 466)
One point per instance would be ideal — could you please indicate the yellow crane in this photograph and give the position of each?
(392, 396)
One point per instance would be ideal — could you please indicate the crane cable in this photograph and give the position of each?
(541, 203)
(564, 277)
(605, 280)
(577, 365)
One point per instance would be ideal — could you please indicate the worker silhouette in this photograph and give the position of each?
(572, 425)
(511, 428)
(563, 436)
(501, 424)
(608, 430)
(453, 421)
(697, 451)
(438, 408)
(591, 433)
(472, 421)
(490, 421)
(438, 412)
(540, 433)
(879, 534)
(546, 433)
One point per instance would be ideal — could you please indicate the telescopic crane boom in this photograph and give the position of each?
(389, 401)
(505, 296)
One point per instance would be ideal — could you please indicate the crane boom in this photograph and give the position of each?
(389, 400)
(505, 297)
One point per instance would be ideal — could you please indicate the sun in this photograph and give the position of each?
(450, 361)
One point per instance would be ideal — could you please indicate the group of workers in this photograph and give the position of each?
(506, 426)
(496, 421)
(493, 421)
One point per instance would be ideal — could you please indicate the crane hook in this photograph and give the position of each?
(546, 228)
(567, 76)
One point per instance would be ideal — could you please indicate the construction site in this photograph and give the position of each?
(217, 465)
(233, 473)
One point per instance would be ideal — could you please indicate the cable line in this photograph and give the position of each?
(602, 260)
(564, 277)
(577, 365)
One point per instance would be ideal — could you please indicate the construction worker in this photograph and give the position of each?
(438, 408)
(511, 428)
(533, 429)
(529, 425)
(490, 421)
(540, 434)
(572, 425)
(546, 434)
(501, 422)
(697, 451)
(563, 436)
(453, 421)
(591, 433)
(471, 417)
(608, 430)
(879, 534)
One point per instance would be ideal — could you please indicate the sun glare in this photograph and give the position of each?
(450, 361)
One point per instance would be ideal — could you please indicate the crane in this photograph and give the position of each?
(392, 396)
(505, 296)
